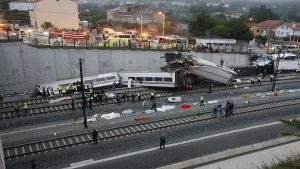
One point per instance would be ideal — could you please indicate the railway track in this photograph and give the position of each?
(66, 106)
(38, 101)
(35, 147)
(44, 100)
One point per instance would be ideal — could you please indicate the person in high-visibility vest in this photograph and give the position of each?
(67, 89)
(152, 96)
(59, 88)
(51, 90)
(25, 107)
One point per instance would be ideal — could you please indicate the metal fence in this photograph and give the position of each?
(134, 45)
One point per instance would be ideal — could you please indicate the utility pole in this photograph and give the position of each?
(82, 95)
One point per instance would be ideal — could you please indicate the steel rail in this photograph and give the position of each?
(67, 106)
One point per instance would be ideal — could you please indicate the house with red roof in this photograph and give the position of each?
(266, 28)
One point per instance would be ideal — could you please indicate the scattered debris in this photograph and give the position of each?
(177, 99)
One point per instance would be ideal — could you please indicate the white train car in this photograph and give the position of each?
(149, 79)
(101, 80)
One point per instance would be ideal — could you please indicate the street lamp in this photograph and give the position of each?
(163, 14)
(29, 31)
(141, 23)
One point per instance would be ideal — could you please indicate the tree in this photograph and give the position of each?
(262, 13)
(239, 30)
(47, 25)
(261, 39)
(201, 24)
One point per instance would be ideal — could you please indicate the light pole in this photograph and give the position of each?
(163, 14)
(29, 31)
(82, 95)
(141, 23)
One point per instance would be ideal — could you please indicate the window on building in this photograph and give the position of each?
(278, 32)
(287, 33)
(282, 27)
(257, 30)
(282, 33)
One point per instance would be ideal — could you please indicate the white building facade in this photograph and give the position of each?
(63, 14)
(291, 30)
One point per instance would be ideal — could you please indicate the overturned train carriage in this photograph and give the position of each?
(199, 67)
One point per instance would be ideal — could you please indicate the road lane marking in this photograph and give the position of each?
(91, 162)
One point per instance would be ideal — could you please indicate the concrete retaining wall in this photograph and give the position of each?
(22, 66)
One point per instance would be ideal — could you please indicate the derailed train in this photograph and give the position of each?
(177, 68)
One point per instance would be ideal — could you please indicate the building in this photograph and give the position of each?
(132, 14)
(266, 28)
(291, 30)
(21, 6)
(63, 14)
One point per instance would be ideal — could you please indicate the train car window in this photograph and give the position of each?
(140, 79)
(88, 81)
(168, 79)
(110, 77)
(157, 78)
(100, 80)
(148, 79)
(133, 78)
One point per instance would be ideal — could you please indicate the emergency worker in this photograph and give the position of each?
(162, 141)
(25, 107)
(59, 88)
(152, 96)
(139, 97)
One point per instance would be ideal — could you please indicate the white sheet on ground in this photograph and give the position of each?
(128, 111)
(149, 111)
(165, 108)
(93, 118)
(212, 102)
(60, 99)
(110, 116)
